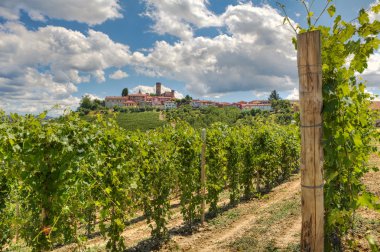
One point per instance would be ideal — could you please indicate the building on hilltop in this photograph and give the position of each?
(142, 100)
(261, 105)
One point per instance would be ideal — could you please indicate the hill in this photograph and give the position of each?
(135, 121)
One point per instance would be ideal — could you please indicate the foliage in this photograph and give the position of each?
(184, 101)
(124, 92)
(68, 176)
(87, 104)
(216, 164)
(133, 121)
(274, 96)
(157, 177)
(187, 160)
(348, 126)
(204, 117)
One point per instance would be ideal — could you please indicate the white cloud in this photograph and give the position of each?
(372, 73)
(294, 95)
(34, 92)
(41, 68)
(261, 95)
(152, 90)
(179, 17)
(256, 54)
(117, 75)
(93, 97)
(90, 12)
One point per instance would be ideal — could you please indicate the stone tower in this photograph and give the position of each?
(158, 88)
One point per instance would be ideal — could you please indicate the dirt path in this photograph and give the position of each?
(218, 239)
(161, 116)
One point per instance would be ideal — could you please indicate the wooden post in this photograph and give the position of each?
(310, 78)
(203, 176)
(17, 220)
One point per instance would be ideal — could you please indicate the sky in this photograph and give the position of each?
(54, 52)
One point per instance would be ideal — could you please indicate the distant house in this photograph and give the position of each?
(202, 103)
(170, 105)
(223, 104)
(112, 101)
(130, 104)
(145, 104)
(261, 105)
(375, 105)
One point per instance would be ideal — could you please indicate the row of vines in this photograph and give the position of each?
(64, 179)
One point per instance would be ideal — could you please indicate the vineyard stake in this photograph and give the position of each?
(310, 93)
(17, 218)
(203, 176)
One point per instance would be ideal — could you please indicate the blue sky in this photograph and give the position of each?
(54, 52)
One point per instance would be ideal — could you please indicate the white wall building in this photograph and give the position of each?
(170, 105)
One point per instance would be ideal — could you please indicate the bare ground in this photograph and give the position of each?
(217, 237)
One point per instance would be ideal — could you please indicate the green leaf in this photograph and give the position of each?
(108, 190)
(331, 10)
(363, 17)
(376, 8)
(42, 115)
(372, 243)
(294, 41)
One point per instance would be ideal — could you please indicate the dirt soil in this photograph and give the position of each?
(215, 238)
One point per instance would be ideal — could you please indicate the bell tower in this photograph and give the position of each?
(158, 88)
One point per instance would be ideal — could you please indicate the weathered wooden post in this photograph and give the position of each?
(310, 78)
(203, 176)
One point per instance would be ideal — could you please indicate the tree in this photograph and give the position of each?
(86, 102)
(274, 96)
(281, 106)
(125, 92)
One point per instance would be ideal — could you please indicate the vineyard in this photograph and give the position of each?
(66, 180)
(62, 180)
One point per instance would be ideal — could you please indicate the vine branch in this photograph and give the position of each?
(323, 11)
(282, 7)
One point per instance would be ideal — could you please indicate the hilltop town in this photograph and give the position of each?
(167, 100)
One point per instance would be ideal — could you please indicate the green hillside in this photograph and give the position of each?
(136, 121)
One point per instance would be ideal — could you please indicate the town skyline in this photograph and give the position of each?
(212, 50)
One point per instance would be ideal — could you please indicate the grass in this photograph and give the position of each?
(259, 237)
(225, 219)
(139, 121)
(136, 121)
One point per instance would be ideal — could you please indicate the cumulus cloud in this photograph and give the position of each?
(93, 97)
(90, 12)
(34, 92)
(41, 68)
(372, 73)
(118, 75)
(294, 95)
(256, 54)
(152, 90)
(179, 17)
